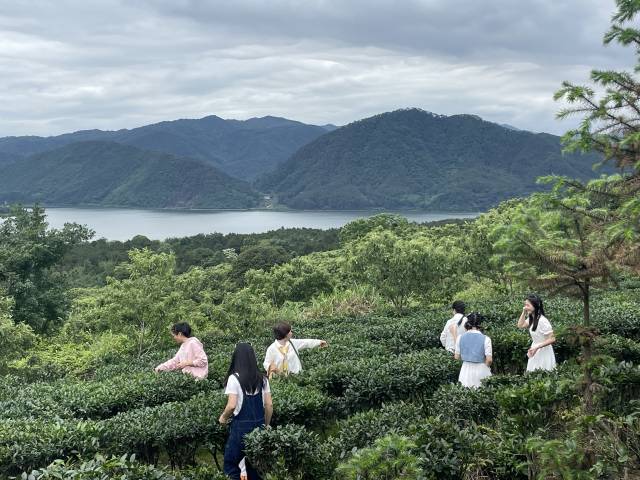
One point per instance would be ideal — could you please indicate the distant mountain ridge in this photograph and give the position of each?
(416, 159)
(102, 173)
(403, 159)
(241, 148)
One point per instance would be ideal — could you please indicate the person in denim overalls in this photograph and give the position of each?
(249, 406)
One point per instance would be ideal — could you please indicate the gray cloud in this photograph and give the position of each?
(70, 65)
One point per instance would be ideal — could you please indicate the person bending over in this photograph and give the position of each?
(191, 358)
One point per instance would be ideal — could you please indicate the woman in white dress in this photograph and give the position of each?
(541, 356)
(475, 350)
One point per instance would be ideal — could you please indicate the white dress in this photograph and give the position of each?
(544, 359)
(471, 374)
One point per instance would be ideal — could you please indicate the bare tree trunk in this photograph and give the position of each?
(587, 348)
(586, 297)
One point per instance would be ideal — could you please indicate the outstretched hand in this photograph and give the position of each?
(323, 344)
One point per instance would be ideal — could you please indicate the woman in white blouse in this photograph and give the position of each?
(541, 356)
(454, 327)
(282, 355)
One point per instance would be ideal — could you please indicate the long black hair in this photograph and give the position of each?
(538, 310)
(245, 364)
(474, 320)
(458, 307)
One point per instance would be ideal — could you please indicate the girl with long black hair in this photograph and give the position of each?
(541, 356)
(249, 406)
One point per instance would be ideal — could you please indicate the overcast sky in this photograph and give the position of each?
(67, 65)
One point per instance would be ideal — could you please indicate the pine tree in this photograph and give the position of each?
(610, 125)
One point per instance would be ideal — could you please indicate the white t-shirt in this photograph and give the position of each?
(446, 339)
(488, 348)
(233, 386)
(274, 356)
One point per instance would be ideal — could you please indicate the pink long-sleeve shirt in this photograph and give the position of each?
(191, 350)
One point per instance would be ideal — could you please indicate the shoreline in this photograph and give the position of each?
(275, 210)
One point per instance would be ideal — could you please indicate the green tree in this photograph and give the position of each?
(610, 125)
(296, 281)
(29, 251)
(398, 267)
(14, 339)
(262, 256)
(555, 248)
(145, 303)
(360, 227)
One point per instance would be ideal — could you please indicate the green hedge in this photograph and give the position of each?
(289, 452)
(70, 398)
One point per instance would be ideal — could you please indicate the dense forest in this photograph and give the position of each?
(416, 159)
(83, 324)
(110, 174)
(242, 149)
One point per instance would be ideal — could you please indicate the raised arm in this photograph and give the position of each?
(522, 321)
(302, 343)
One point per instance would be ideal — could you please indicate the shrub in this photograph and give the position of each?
(409, 376)
(289, 452)
(390, 458)
(298, 404)
(101, 399)
(446, 451)
(100, 467)
(462, 405)
(353, 302)
(538, 401)
(363, 428)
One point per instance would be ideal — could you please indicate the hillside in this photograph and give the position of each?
(244, 149)
(110, 174)
(416, 159)
(6, 158)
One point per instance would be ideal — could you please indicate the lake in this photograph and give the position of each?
(123, 224)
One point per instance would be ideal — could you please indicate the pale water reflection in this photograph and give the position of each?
(123, 224)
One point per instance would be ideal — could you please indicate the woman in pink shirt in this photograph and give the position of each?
(190, 358)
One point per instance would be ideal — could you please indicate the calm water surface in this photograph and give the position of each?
(123, 224)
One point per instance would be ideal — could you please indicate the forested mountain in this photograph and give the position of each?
(244, 149)
(415, 159)
(111, 174)
(6, 158)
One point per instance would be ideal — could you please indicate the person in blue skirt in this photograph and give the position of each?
(249, 406)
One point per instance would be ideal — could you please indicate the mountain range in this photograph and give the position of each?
(243, 149)
(111, 174)
(402, 159)
(416, 159)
